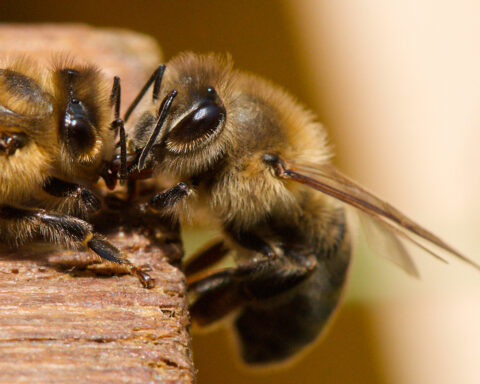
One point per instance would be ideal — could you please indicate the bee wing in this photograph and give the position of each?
(386, 243)
(327, 179)
(23, 103)
(9, 118)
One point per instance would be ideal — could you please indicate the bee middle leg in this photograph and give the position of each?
(76, 200)
(220, 293)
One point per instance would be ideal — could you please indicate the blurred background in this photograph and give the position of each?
(397, 84)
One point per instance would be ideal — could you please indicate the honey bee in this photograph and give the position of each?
(55, 138)
(260, 167)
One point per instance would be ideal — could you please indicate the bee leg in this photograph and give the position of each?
(59, 229)
(80, 233)
(221, 292)
(108, 251)
(250, 240)
(169, 198)
(68, 231)
(215, 296)
(207, 256)
(75, 199)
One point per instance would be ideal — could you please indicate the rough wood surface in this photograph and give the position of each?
(66, 320)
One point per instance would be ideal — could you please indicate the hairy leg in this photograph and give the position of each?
(21, 225)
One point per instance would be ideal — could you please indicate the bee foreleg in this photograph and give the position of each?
(169, 198)
(75, 199)
(221, 292)
(108, 251)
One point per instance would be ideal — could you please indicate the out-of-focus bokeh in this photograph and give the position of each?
(397, 85)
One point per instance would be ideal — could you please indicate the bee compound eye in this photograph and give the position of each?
(201, 122)
(80, 135)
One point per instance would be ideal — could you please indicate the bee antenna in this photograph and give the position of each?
(115, 96)
(162, 113)
(158, 82)
(71, 74)
(156, 79)
(119, 126)
(123, 152)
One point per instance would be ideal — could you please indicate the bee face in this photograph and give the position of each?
(52, 123)
(196, 129)
(83, 110)
(24, 94)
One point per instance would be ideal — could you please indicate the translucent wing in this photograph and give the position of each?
(386, 243)
(378, 214)
(23, 103)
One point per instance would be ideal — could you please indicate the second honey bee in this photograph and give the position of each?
(56, 137)
(257, 160)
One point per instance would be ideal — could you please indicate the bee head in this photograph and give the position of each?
(193, 131)
(82, 113)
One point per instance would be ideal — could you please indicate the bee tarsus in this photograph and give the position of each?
(171, 197)
(58, 228)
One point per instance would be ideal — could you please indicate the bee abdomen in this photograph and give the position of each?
(275, 331)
